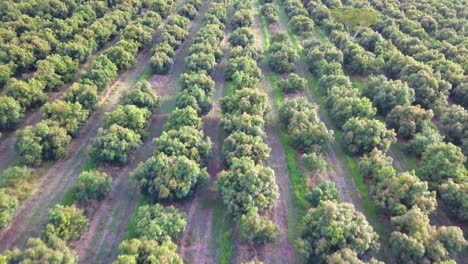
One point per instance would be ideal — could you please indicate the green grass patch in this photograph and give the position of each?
(131, 227)
(359, 84)
(221, 232)
(69, 197)
(266, 34)
(296, 174)
(408, 162)
(146, 75)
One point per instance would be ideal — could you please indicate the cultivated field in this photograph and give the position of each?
(233, 131)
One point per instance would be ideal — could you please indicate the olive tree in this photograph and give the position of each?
(70, 116)
(386, 94)
(247, 186)
(346, 107)
(142, 96)
(324, 191)
(454, 123)
(50, 250)
(86, 95)
(28, 94)
(333, 226)
(455, 197)
(408, 120)
(256, 229)
(363, 135)
(159, 223)
(239, 144)
(440, 162)
(293, 83)
(92, 185)
(165, 177)
(184, 141)
(270, 12)
(11, 112)
(66, 222)
(144, 250)
(45, 141)
(129, 116)
(415, 240)
(115, 144)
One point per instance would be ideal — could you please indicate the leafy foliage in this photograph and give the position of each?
(165, 177)
(325, 191)
(45, 141)
(333, 226)
(11, 112)
(159, 223)
(142, 96)
(440, 162)
(66, 222)
(92, 185)
(115, 144)
(256, 229)
(140, 251)
(247, 186)
(363, 135)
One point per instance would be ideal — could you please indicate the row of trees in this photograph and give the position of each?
(430, 91)
(156, 226)
(351, 112)
(310, 136)
(64, 117)
(177, 168)
(31, 37)
(247, 186)
(440, 47)
(125, 127)
(173, 34)
(406, 196)
(413, 122)
(65, 223)
(59, 68)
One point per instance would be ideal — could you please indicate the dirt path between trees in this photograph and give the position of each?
(195, 245)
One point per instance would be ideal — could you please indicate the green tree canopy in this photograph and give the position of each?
(66, 222)
(92, 185)
(159, 223)
(247, 186)
(333, 226)
(165, 177)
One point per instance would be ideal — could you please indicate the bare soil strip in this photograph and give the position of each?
(108, 226)
(195, 245)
